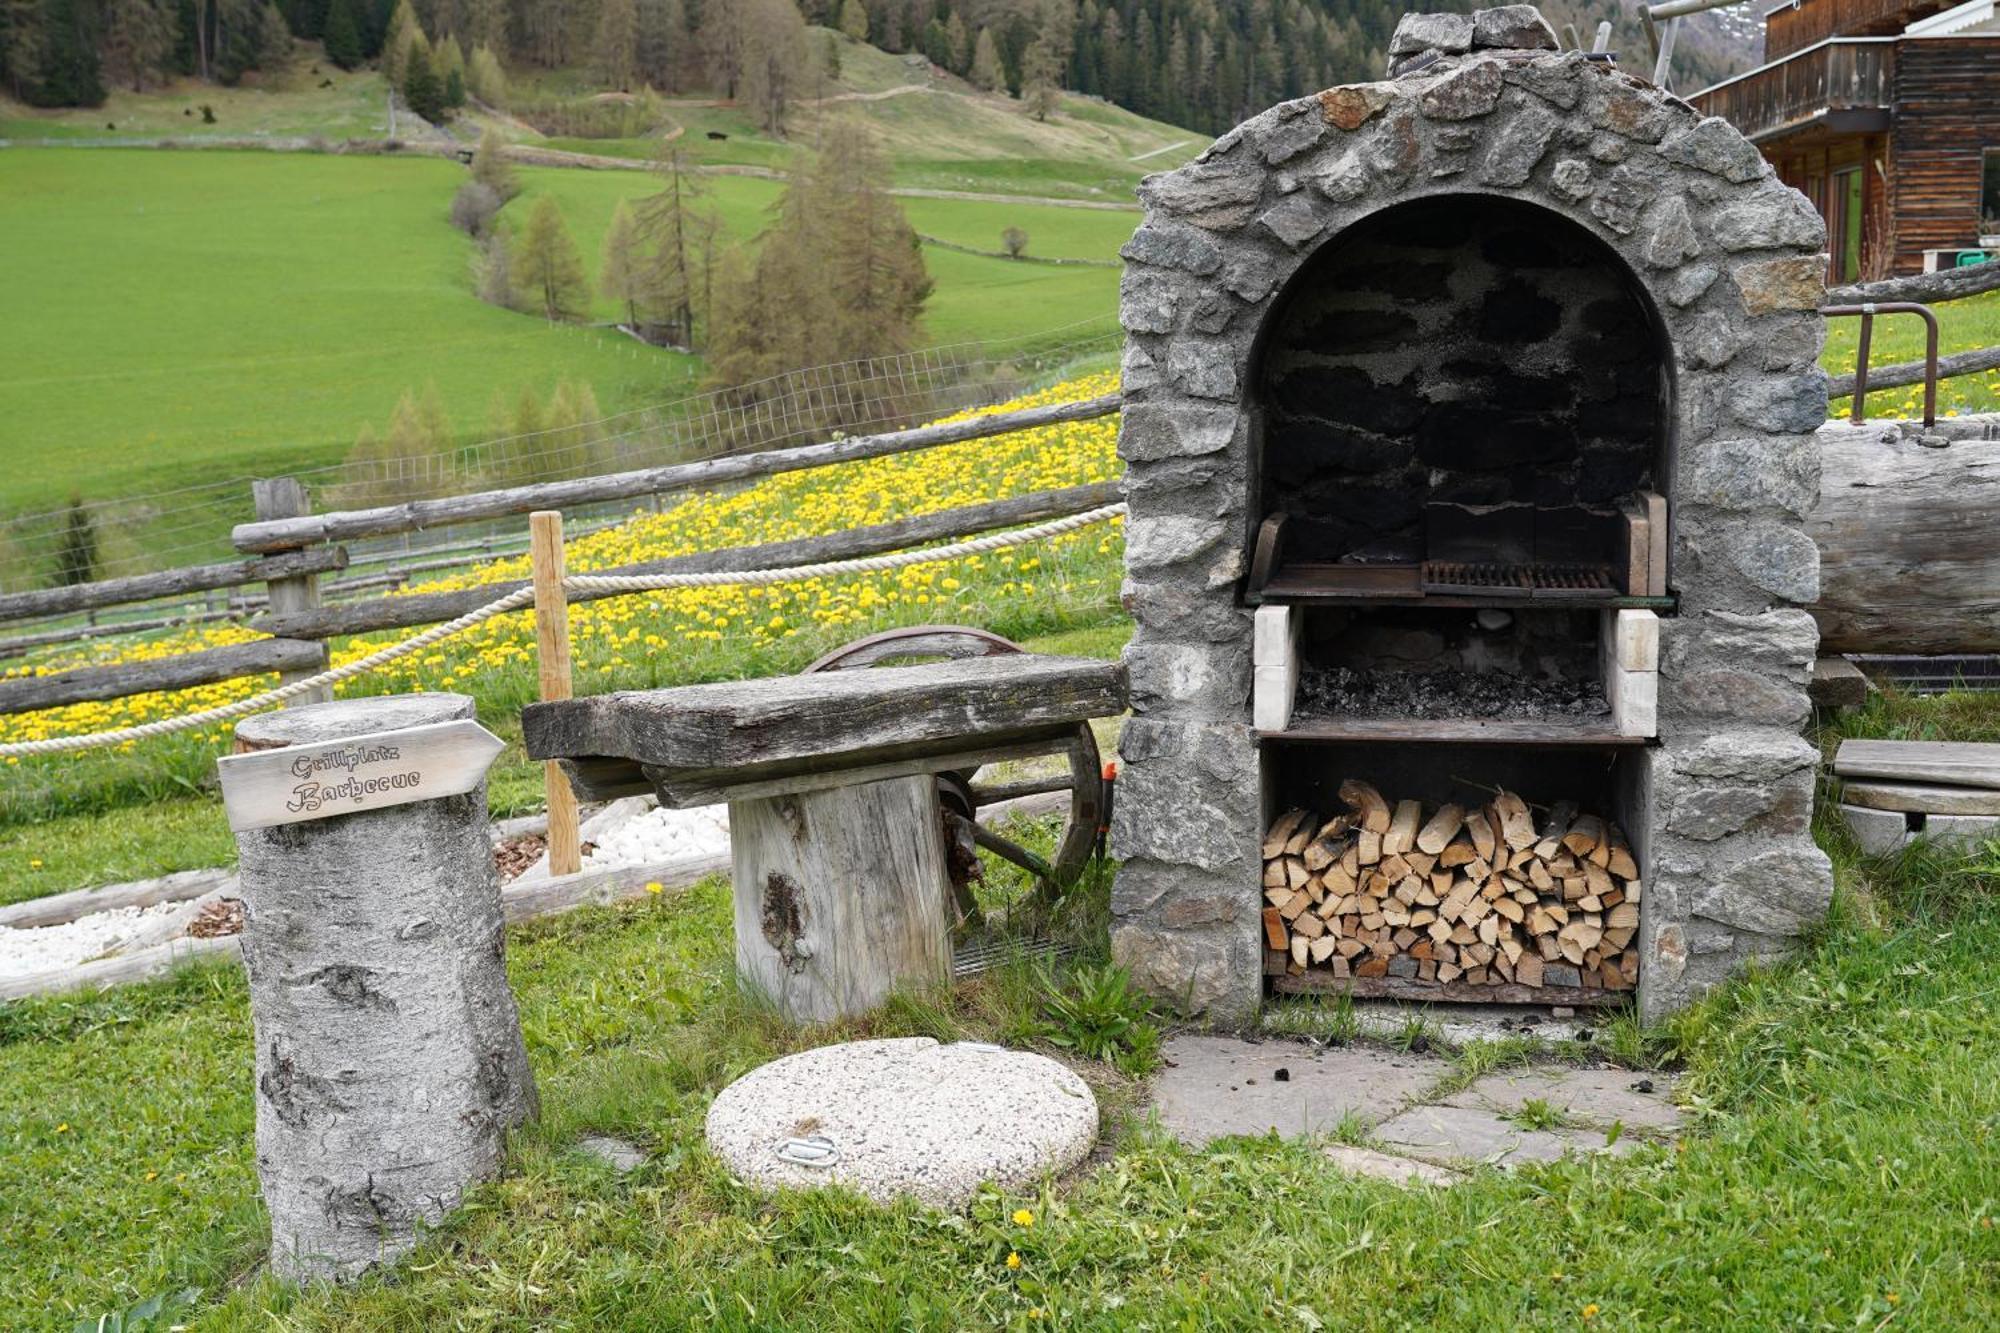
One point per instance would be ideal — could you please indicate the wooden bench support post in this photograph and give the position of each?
(545, 538)
(841, 896)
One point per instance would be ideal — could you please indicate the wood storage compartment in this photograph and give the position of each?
(1453, 872)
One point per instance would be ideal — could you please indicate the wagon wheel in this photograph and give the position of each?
(959, 792)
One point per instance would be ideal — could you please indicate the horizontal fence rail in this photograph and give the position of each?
(167, 583)
(416, 515)
(300, 632)
(415, 609)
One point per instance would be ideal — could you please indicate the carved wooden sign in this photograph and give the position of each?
(300, 782)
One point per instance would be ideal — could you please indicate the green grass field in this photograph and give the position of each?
(249, 312)
(1837, 1171)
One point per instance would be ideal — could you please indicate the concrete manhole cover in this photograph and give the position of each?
(904, 1116)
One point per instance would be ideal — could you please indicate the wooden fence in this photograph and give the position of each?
(288, 548)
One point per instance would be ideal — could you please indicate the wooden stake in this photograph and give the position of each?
(552, 651)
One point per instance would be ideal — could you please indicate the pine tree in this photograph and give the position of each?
(675, 232)
(622, 278)
(138, 42)
(854, 19)
(985, 74)
(76, 558)
(343, 35)
(67, 73)
(1041, 73)
(959, 42)
(484, 78)
(420, 84)
(616, 50)
(397, 37)
(490, 166)
(547, 270)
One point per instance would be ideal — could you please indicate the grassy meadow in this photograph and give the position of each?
(1836, 1172)
(248, 312)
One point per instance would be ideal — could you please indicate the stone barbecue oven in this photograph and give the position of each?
(1468, 436)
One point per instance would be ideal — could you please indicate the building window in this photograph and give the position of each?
(1847, 205)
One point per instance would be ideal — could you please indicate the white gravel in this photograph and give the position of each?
(660, 834)
(118, 929)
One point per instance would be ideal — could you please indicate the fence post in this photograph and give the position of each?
(545, 528)
(285, 497)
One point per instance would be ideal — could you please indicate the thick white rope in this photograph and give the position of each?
(522, 597)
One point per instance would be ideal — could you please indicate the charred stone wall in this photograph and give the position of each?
(1462, 349)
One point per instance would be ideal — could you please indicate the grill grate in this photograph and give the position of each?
(1464, 578)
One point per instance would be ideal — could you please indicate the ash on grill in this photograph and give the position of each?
(1446, 692)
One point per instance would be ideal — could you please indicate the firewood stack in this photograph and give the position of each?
(1459, 900)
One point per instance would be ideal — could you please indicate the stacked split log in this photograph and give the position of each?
(1450, 899)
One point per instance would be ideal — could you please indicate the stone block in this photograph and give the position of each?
(1781, 891)
(1151, 432)
(1768, 220)
(1705, 810)
(1796, 282)
(1519, 145)
(1299, 127)
(1208, 974)
(1795, 403)
(1762, 472)
(1189, 677)
(1148, 301)
(1174, 246)
(1670, 235)
(1717, 147)
(1513, 28)
(1754, 755)
(1193, 796)
(1351, 106)
(1687, 285)
(1555, 79)
(1777, 557)
(1448, 33)
(1171, 606)
(1203, 368)
(1212, 196)
(1712, 340)
(1155, 541)
(1464, 93)
(1294, 221)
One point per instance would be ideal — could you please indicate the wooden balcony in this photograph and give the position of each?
(1847, 83)
(1794, 27)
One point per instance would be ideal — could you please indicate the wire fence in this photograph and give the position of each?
(125, 535)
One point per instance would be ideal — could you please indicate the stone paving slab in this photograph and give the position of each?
(1216, 1086)
(1466, 1135)
(1387, 1166)
(1597, 1097)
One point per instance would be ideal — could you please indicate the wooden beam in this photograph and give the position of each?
(1930, 288)
(1912, 372)
(29, 693)
(553, 669)
(433, 608)
(1951, 763)
(281, 534)
(828, 718)
(169, 583)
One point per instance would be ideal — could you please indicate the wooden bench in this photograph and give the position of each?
(836, 833)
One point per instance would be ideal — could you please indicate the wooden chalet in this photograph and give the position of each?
(1886, 114)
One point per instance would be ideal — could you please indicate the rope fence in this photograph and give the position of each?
(598, 585)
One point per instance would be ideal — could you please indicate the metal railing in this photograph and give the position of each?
(1857, 413)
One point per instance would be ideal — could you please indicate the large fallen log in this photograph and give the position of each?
(1908, 563)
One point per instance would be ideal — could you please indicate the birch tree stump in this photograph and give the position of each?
(389, 1053)
(840, 896)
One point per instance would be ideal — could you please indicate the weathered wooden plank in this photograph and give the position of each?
(103, 973)
(282, 534)
(59, 908)
(1912, 372)
(683, 789)
(1907, 560)
(1837, 683)
(855, 717)
(433, 608)
(1552, 731)
(1920, 798)
(169, 583)
(1952, 763)
(28, 693)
